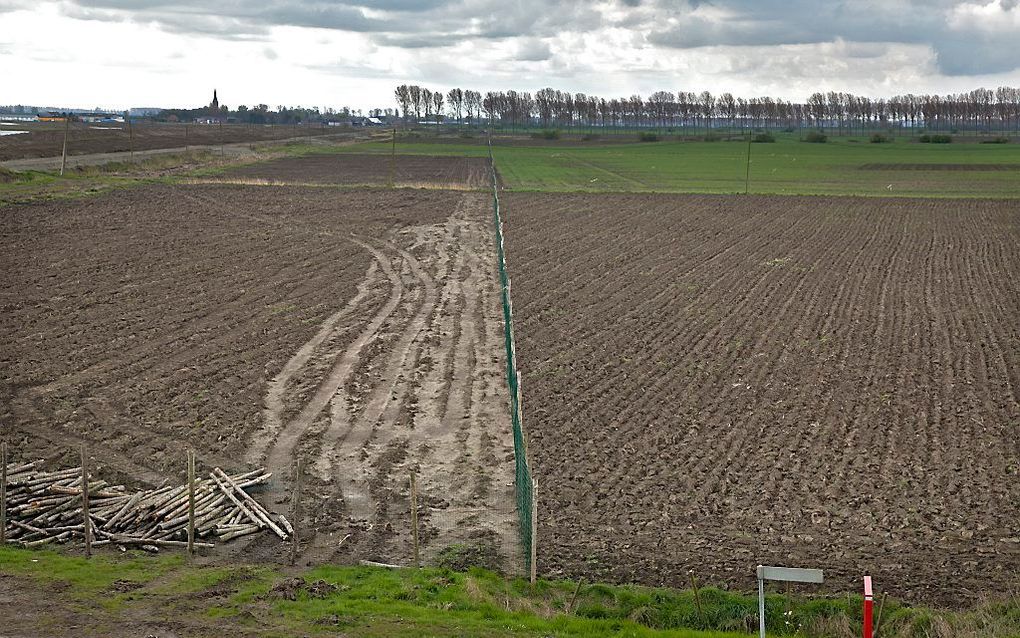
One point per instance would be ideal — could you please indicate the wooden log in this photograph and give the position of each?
(14, 470)
(372, 563)
(191, 503)
(85, 500)
(237, 533)
(132, 502)
(253, 505)
(295, 506)
(132, 540)
(3, 492)
(229, 493)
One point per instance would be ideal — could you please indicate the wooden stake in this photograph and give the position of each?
(295, 508)
(747, 172)
(534, 530)
(697, 599)
(3, 493)
(570, 604)
(191, 503)
(414, 518)
(63, 153)
(393, 156)
(878, 620)
(85, 500)
(131, 135)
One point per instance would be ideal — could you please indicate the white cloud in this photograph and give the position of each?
(122, 53)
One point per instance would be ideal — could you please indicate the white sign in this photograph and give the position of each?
(788, 574)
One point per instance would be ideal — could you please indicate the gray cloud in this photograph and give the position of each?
(965, 48)
(533, 50)
(960, 51)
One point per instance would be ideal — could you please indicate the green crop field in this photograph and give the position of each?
(841, 166)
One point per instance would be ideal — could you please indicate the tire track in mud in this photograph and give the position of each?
(273, 414)
(416, 390)
(279, 457)
(383, 401)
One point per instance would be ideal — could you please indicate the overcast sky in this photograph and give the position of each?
(121, 53)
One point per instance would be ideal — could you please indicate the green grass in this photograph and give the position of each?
(86, 577)
(788, 166)
(369, 601)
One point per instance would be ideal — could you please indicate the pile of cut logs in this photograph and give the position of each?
(45, 507)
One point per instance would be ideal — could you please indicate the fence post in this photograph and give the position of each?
(697, 599)
(414, 519)
(295, 509)
(3, 492)
(131, 135)
(63, 153)
(85, 500)
(534, 529)
(393, 157)
(191, 504)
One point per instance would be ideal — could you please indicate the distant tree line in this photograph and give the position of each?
(262, 114)
(980, 109)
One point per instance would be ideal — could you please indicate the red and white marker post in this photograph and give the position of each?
(869, 601)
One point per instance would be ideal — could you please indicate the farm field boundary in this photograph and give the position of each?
(524, 481)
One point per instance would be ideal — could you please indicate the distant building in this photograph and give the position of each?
(215, 104)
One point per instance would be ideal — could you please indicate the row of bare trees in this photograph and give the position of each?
(418, 102)
(980, 109)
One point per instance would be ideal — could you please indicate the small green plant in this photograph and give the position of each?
(763, 138)
(546, 134)
(996, 140)
(816, 137)
(648, 137)
(935, 139)
(879, 138)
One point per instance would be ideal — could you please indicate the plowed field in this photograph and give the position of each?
(711, 383)
(47, 139)
(358, 331)
(350, 169)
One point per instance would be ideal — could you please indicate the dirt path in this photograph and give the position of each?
(413, 385)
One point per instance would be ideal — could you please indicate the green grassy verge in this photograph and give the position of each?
(110, 590)
(841, 166)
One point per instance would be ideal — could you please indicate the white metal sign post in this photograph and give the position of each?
(789, 574)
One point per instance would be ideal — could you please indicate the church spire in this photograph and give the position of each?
(215, 101)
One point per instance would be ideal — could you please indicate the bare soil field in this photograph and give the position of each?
(715, 382)
(46, 139)
(358, 331)
(355, 169)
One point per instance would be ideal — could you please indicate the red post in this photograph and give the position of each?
(869, 601)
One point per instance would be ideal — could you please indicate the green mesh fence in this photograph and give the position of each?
(522, 475)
